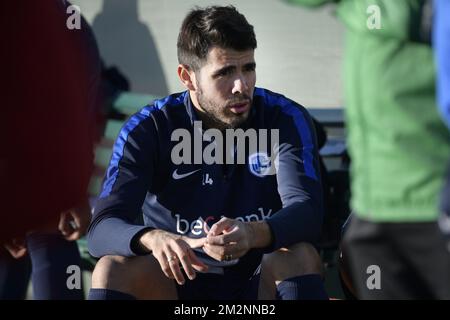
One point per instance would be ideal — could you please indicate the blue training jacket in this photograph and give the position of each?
(141, 180)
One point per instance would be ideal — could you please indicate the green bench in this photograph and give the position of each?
(129, 103)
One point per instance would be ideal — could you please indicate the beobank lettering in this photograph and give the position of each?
(201, 224)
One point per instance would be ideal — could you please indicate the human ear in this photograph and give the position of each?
(187, 76)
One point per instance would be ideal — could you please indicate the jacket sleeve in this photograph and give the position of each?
(126, 183)
(298, 177)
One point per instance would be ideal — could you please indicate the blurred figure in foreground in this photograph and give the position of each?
(441, 43)
(399, 148)
(51, 123)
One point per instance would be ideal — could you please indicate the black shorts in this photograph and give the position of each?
(412, 260)
(210, 286)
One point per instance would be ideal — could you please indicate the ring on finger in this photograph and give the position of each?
(171, 258)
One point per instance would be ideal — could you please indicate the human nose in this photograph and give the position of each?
(240, 85)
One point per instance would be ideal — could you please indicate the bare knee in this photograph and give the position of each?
(108, 270)
(299, 259)
(140, 276)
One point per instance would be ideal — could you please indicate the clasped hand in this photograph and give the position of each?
(227, 239)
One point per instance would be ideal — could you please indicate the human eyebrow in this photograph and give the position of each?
(223, 71)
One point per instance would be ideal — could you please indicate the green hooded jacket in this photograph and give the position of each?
(398, 143)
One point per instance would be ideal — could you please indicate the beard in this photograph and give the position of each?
(220, 116)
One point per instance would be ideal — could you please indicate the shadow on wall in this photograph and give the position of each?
(126, 42)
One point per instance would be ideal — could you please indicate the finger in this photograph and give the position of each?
(220, 253)
(74, 223)
(196, 263)
(185, 261)
(208, 250)
(20, 243)
(69, 234)
(220, 226)
(164, 265)
(16, 251)
(17, 254)
(75, 235)
(82, 218)
(64, 225)
(194, 243)
(174, 264)
(223, 239)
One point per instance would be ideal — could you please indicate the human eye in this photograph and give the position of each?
(250, 67)
(224, 72)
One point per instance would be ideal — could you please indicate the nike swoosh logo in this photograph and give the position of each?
(177, 176)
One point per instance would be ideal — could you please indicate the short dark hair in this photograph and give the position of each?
(219, 26)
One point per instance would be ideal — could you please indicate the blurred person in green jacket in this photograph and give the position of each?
(399, 148)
